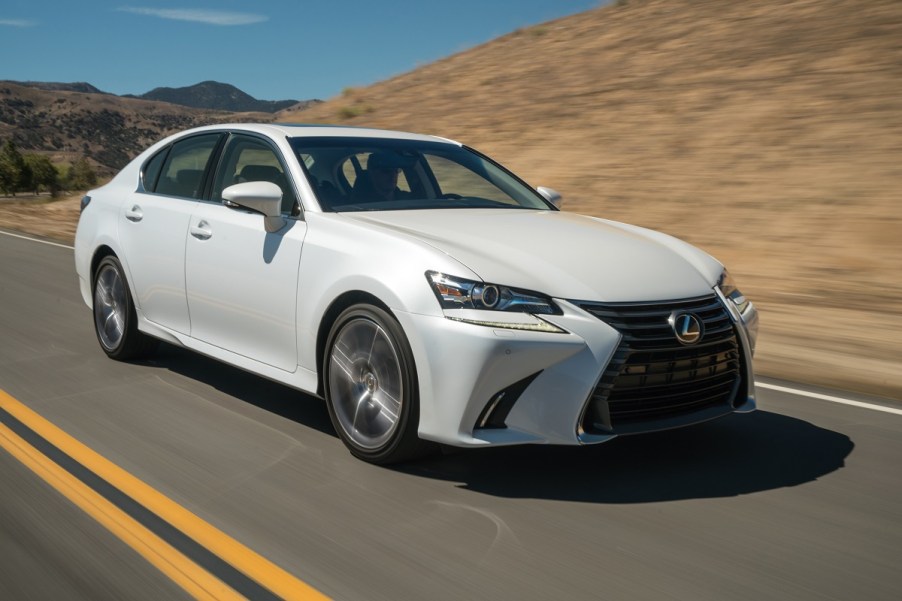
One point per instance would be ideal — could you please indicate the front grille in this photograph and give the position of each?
(653, 379)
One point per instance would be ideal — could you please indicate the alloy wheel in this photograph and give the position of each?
(110, 307)
(366, 383)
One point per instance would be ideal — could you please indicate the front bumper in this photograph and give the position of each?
(464, 368)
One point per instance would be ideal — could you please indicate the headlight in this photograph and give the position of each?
(458, 293)
(491, 305)
(728, 286)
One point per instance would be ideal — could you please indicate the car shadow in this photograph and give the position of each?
(735, 455)
(252, 389)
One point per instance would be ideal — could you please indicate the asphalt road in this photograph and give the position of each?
(800, 500)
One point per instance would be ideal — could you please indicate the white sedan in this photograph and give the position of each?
(427, 293)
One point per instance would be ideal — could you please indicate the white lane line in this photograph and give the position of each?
(827, 397)
(37, 240)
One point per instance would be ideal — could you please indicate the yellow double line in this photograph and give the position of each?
(194, 579)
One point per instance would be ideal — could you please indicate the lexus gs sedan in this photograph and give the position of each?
(428, 294)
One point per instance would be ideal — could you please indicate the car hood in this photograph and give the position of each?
(562, 254)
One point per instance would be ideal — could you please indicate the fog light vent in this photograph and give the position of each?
(501, 403)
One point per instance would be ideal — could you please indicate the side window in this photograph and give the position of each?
(183, 171)
(152, 170)
(248, 159)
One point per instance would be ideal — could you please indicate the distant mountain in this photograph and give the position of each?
(50, 86)
(213, 95)
(207, 95)
(108, 129)
(67, 120)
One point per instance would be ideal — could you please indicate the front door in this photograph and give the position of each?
(241, 280)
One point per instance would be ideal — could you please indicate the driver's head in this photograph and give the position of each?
(383, 167)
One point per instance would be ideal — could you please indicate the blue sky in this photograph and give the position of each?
(271, 49)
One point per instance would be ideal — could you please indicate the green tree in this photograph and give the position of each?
(43, 174)
(81, 176)
(13, 170)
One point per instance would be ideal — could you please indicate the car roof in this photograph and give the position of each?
(301, 130)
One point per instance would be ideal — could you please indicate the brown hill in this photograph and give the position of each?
(110, 130)
(768, 132)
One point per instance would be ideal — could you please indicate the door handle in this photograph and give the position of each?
(201, 231)
(134, 214)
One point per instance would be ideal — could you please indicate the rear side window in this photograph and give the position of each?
(152, 170)
(183, 170)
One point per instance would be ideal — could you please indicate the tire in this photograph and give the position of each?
(370, 385)
(115, 321)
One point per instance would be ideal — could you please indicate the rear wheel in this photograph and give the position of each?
(115, 321)
(371, 386)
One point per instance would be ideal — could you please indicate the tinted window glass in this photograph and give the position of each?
(362, 160)
(248, 159)
(455, 178)
(382, 174)
(152, 170)
(183, 171)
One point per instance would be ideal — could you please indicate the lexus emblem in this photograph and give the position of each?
(687, 327)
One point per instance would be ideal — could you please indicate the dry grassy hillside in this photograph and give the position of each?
(768, 132)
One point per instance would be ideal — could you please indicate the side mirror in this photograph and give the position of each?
(552, 196)
(261, 197)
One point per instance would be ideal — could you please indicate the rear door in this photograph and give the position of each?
(153, 225)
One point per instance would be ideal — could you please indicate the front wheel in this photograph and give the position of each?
(115, 321)
(371, 386)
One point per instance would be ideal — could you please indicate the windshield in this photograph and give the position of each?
(378, 174)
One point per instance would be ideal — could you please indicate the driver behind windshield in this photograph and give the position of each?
(380, 180)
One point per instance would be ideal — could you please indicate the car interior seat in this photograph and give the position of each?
(187, 182)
